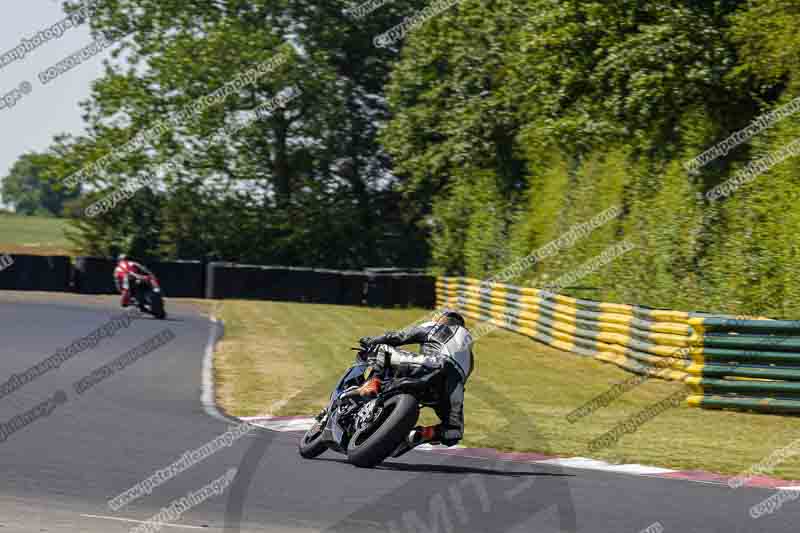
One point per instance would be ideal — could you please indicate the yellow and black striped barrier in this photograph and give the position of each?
(727, 362)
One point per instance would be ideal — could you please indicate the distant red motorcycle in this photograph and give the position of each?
(146, 294)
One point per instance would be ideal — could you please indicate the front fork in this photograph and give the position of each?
(320, 420)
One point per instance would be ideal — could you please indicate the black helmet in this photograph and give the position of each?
(452, 316)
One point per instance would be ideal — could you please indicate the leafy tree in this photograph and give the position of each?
(31, 189)
(305, 185)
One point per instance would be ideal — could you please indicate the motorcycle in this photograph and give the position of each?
(370, 430)
(146, 294)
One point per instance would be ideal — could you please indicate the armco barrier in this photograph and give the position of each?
(423, 291)
(219, 280)
(353, 288)
(379, 290)
(36, 273)
(94, 275)
(228, 280)
(727, 362)
(180, 279)
(326, 286)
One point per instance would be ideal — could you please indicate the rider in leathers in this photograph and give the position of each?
(445, 344)
(125, 269)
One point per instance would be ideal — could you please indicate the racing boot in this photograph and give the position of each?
(419, 435)
(423, 434)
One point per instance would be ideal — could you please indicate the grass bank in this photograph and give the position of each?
(33, 235)
(517, 399)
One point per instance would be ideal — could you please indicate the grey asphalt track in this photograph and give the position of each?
(60, 470)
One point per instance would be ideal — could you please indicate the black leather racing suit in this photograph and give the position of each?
(442, 346)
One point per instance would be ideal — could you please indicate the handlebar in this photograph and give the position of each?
(363, 352)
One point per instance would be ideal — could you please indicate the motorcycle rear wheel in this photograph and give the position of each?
(371, 445)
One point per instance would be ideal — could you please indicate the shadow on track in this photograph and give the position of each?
(445, 469)
(168, 319)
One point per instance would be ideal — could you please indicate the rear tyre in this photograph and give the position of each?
(371, 445)
(311, 444)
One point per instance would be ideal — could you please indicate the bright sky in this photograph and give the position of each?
(48, 109)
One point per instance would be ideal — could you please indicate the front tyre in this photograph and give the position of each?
(373, 443)
(157, 305)
(311, 444)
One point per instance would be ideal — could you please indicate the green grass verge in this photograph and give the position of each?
(33, 235)
(517, 398)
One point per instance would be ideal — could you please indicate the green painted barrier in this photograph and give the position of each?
(765, 405)
(791, 327)
(763, 356)
(752, 342)
(729, 362)
(749, 388)
(744, 371)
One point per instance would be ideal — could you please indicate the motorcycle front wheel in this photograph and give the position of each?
(373, 443)
(311, 444)
(156, 304)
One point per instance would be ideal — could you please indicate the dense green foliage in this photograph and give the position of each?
(520, 119)
(488, 131)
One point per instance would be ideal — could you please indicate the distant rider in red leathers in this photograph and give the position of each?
(125, 269)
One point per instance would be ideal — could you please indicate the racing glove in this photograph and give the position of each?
(365, 341)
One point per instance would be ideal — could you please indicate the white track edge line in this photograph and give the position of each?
(207, 396)
(160, 525)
